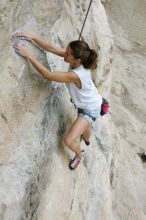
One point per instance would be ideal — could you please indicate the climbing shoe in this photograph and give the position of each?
(74, 162)
(86, 142)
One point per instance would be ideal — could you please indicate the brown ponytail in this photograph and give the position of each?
(81, 50)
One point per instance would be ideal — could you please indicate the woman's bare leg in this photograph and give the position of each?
(79, 126)
(87, 133)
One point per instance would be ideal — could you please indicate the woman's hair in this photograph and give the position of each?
(82, 51)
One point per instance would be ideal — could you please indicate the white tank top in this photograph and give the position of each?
(87, 97)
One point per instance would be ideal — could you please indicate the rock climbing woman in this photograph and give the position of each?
(84, 94)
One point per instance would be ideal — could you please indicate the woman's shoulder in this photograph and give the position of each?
(82, 69)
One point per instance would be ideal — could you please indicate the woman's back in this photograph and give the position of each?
(86, 97)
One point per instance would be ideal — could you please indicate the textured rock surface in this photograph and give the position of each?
(128, 99)
(35, 182)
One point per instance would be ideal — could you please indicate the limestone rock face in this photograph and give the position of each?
(35, 182)
(128, 98)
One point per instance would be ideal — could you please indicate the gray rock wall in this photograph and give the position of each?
(127, 21)
(35, 182)
(35, 113)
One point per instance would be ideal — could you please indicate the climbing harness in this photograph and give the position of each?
(104, 108)
(85, 19)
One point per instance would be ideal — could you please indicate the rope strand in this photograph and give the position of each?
(85, 19)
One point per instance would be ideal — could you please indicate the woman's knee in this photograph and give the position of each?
(67, 140)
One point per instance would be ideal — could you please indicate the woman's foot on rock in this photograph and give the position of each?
(86, 142)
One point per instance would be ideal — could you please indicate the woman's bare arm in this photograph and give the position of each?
(42, 43)
(49, 47)
(63, 77)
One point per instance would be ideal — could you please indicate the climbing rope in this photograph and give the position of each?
(85, 19)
